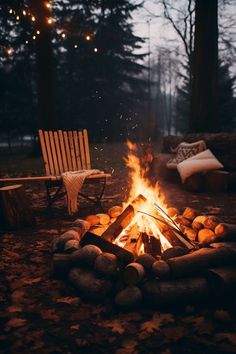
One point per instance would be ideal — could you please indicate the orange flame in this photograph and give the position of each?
(139, 184)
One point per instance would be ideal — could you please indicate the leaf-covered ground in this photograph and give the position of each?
(40, 314)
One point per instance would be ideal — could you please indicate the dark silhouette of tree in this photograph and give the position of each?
(204, 99)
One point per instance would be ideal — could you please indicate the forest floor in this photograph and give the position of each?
(40, 314)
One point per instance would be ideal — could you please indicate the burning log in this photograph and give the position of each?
(177, 240)
(122, 221)
(182, 291)
(183, 221)
(196, 226)
(152, 245)
(197, 261)
(133, 273)
(89, 286)
(190, 233)
(133, 244)
(129, 298)
(106, 264)
(123, 255)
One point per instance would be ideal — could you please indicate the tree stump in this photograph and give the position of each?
(15, 208)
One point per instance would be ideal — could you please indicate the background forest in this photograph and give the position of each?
(74, 64)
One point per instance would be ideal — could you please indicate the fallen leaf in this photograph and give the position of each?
(50, 315)
(76, 327)
(222, 315)
(231, 337)
(69, 300)
(15, 323)
(173, 334)
(117, 326)
(14, 308)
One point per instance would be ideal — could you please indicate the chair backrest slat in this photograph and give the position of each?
(72, 151)
(65, 151)
(48, 147)
(44, 152)
(86, 147)
(59, 153)
(77, 153)
(82, 153)
(68, 157)
(54, 154)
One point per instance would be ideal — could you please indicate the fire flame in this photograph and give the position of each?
(139, 184)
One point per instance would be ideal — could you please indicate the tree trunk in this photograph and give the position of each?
(204, 115)
(44, 64)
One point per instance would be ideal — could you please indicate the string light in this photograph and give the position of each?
(33, 19)
(49, 21)
(26, 42)
(34, 37)
(75, 46)
(17, 18)
(38, 32)
(88, 37)
(63, 35)
(10, 51)
(24, 12)
(48, 5)
(95, 50)
(10, 11)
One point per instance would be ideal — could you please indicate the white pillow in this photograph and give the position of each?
(184, 151)
(204, 161)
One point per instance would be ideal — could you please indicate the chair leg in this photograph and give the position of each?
(52, 198)
(97, 199)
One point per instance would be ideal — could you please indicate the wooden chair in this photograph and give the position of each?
(64, 151)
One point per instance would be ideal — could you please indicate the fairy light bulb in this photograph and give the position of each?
(10, 51)
(34, 37)
(95, 50)
(63, 35)
(49, 21)
(24, 12)
(26, 42)
(88, 37)
(38, 32)
(33, 19)
(10, 11)
(48, 5)
(75, 46)
(17, 18)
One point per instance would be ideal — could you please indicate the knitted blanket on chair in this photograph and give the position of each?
(73, 182)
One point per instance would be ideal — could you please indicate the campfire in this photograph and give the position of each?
(145, 250)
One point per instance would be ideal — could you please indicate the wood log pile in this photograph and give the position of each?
(101, 269)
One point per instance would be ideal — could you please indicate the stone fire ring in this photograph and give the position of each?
(176, 277)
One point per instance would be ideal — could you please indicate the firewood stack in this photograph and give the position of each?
(200, 264)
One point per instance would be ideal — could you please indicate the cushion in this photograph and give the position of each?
(184, 151)
(202, 162)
